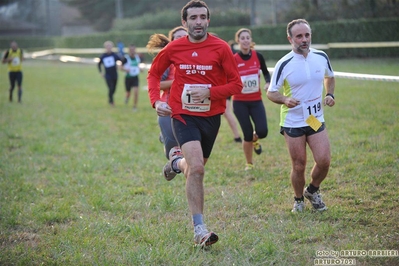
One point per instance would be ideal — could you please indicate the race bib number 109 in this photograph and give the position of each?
(250, 84)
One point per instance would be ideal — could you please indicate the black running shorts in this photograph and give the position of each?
(295, 132)
(131, 82)
(15, 77)
(203, 129)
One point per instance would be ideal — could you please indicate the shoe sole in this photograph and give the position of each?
(321, 209)
(170, 176)
(210, 239)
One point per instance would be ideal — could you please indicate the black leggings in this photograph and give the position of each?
(255, 110)
(111, 83)
(15, 77)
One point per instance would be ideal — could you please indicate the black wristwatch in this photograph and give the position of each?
(330, 94)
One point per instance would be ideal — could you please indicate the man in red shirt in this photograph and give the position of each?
(205, 75)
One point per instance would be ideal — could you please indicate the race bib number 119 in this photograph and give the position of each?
(311, 110)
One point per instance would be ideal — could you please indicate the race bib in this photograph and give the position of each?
(250, 83)
(134, 71)
(15, 61)
(109, 61)
(187, 102)
(312, 109)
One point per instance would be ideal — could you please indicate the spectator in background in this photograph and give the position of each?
(14, 57)
(109, 61)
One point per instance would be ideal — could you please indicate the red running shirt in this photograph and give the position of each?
(250, 76)
(209, 63)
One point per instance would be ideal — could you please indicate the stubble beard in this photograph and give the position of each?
(303, 51)
(198, 36)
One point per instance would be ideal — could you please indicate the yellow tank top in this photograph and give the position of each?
(16, 64)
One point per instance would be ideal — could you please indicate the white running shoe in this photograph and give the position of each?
(315, 199)
(202, 237)
(174, 154)
(299, 206)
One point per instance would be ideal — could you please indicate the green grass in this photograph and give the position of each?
(81, 183)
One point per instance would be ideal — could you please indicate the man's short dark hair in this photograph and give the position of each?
(194, 3)
(295, 22)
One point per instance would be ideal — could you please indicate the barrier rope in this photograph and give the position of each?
(50, 55)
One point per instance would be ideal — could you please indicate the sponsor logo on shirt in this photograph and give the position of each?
(196, 67)
(194, 54)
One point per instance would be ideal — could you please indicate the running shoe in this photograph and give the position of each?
(174, 154)
(238, 140)
(257, 147)
(315, 199)
(202, 237)
(249, 166)
(299, 206)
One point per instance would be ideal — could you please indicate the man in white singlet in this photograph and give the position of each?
(302, 74)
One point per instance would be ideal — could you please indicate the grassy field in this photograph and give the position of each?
(81, 183)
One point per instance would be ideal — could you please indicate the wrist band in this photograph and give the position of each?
(330, 94)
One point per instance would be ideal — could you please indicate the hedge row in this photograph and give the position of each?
(170, 18)
(377, 30)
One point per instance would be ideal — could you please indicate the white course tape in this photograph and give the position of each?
(366, 76)
(49, 55)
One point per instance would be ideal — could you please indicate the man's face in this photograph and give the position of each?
(301, 38)
(197, 22)
(14, 46)
(108, 47)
